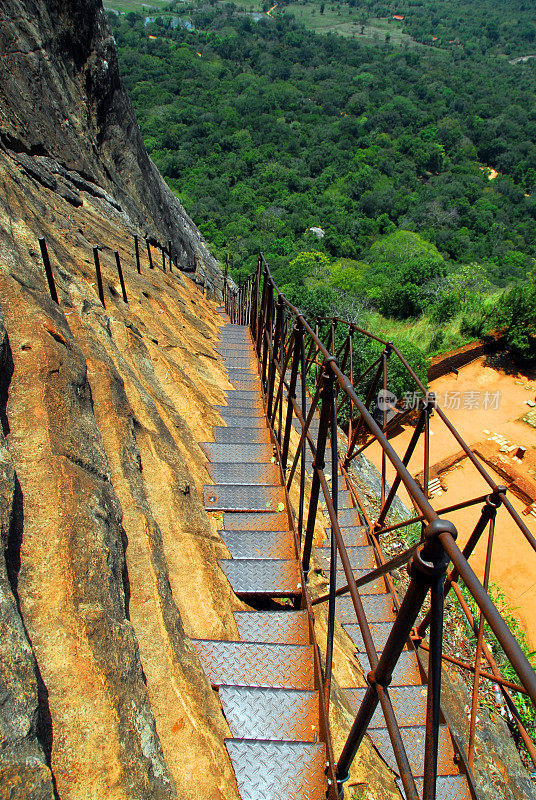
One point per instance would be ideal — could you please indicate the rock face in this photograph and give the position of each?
(108, 562)
(66, 118)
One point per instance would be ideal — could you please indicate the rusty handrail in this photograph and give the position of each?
(281, 344)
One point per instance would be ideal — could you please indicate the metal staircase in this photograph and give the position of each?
(267, 685)
(273, 687)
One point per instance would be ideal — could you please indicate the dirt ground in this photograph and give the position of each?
(485, 405)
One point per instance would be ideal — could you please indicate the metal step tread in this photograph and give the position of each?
(247, 420)
(347, 517)
(448, 787)
(244, 474)
(268, 577)
(380, 633)
(360, 558)
(354, 536)
(260, 713)
(269, 544)
(277, 666)
(267, 770)
(274, 627)
(252, 453)
(233, 413)
(236, 497)
(376, 586)
(409, 704)
(254, 521)
(241, 435)
(378, 608)
(406, 671)
(413, 739)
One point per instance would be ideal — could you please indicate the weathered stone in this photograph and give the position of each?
(61, 98)
(24, 771)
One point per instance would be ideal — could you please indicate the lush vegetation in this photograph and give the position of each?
(265, 130)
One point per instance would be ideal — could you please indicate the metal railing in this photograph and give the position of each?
(303, 377)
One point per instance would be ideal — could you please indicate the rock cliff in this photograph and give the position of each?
(66, 119)
(108, 561)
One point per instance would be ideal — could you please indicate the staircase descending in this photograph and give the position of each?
(266, 680)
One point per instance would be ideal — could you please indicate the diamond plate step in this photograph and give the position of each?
(409, 704)
(239, 374)
(255, 522)
(244, 385)
(244, 404)
(355, 536)
(448, 787)
(239, 361)
(252, 453)
(241, 435)
(380, 632)
(378, 608)
(278, 770)
(406, 672)
(376, 586)
(232, 412)
(275, 544)
(243, 420)
(347, 517)
(280, 714)
(413, 739)
(360, 558)
(279, 666)
(232, 347)
(232, 497)
(247, 395)
(243, 474)
(268, 577)
(283, 627)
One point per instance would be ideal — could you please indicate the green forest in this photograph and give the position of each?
(413, 159)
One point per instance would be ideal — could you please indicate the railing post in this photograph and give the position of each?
(98, 275)
(425, 414)
(137, 249)
(267, 330)
(333, 542)
(427, 566)
(120, 273)
(328, 377)
(296, 356)
(489, 510)
(151, 265)
(276, 348)
(48, 269)
(261, 323)
(255, 301)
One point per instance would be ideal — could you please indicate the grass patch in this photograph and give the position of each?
(125, 6)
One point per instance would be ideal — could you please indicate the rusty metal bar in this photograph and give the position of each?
(434, 686)
(276, 344)
(378, 572)
(137, 250)
(98, 274)
(331, 399)
(445, 510)
(360, 422)
(386, 505)
(479, 643)
(48, 269)
(120, 273)
(318, 463)
(151, 265)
